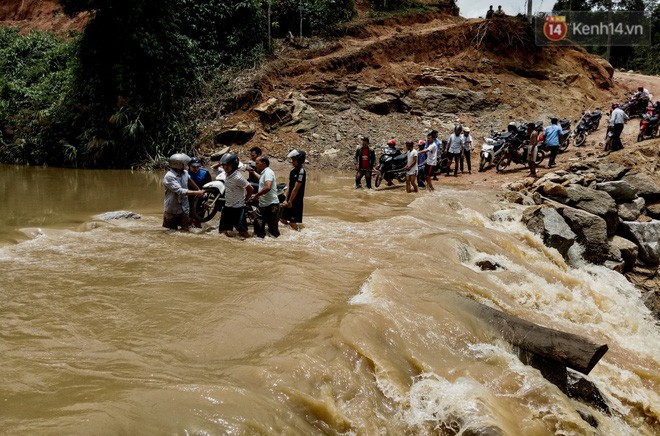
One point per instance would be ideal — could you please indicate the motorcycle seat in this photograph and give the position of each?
(505, 135)
(565, 123)
(653, 119)
(596, 114)
(400, 159)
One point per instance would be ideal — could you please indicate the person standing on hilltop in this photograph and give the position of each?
(489, 13)
(499, 13)
(617, 120)
(552, 133)
(365, 159)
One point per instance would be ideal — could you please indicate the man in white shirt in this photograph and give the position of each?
(411, 168)
(467, 148)
(455, 147)
(617, 120)
(269, 204)
(431, 151)
(237, 191)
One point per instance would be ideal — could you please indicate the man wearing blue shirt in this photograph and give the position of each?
(552, 133)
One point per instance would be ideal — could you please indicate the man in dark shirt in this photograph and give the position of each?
(365, 158)
(292, 213)
(489, 13)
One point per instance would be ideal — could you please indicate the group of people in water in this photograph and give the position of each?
(259, 188)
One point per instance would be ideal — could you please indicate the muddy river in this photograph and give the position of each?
(352, 325)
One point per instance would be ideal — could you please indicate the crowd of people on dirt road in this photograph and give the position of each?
(434, 156)
(259, 188)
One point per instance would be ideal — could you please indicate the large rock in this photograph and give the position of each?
(653, 210)
(610, 171)
(554, 189)
(647, 237)
(119, 215)
(547, 222)
(382, 102)
(292, 115)
(631, 211)
(240, 134)
(619, 190)
(627, 250)
(439, 99)
(590, 231)
(596, 202)
(644, 185)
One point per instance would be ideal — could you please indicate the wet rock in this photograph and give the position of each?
(581, 388)
(647, 237)
(590, 231)
(596, 202)
(587, 417)
(502, 216)
(615, 266)
(644, 185)
(491, 430)
(631, 211)
(626, 249)
(291, 115)
(488, 265)
(547, 222)
(119, 215)
(619, 190)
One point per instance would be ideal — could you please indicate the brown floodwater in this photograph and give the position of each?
(353, 325)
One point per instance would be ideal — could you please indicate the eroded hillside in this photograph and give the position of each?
(403, 76)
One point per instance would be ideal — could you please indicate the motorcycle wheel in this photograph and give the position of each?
(503, 163)
(204, 208)
(640, 136)
(540, 155)
(580, 138)
(482, 164)
(379, 178)
(564, 145)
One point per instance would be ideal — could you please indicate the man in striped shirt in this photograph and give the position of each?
(237, 192)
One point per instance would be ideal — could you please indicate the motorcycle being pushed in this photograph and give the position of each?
(391, 165)
(649, 124)
(565, 136)
(206, 207)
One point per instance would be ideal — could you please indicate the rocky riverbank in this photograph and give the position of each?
(607, 208)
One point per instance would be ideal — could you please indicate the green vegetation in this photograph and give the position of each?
(134, 87)
(642, 58)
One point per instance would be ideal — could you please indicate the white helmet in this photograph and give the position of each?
(178, 161)
(466, 130)
(299, 154)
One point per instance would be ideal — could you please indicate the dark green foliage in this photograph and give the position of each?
(317, 15)
(36, 82)
(138, 83)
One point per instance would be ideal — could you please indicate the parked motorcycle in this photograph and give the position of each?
(206, 207)
(588, 123)
(491, 150)
(648, 126)
(391, 165)
(515, 154)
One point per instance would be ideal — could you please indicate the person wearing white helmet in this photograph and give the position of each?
(467, 148)
(176, 181)
(292, 213)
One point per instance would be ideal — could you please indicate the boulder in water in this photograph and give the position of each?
(647, 237)
(119, 215)
(547, 222)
